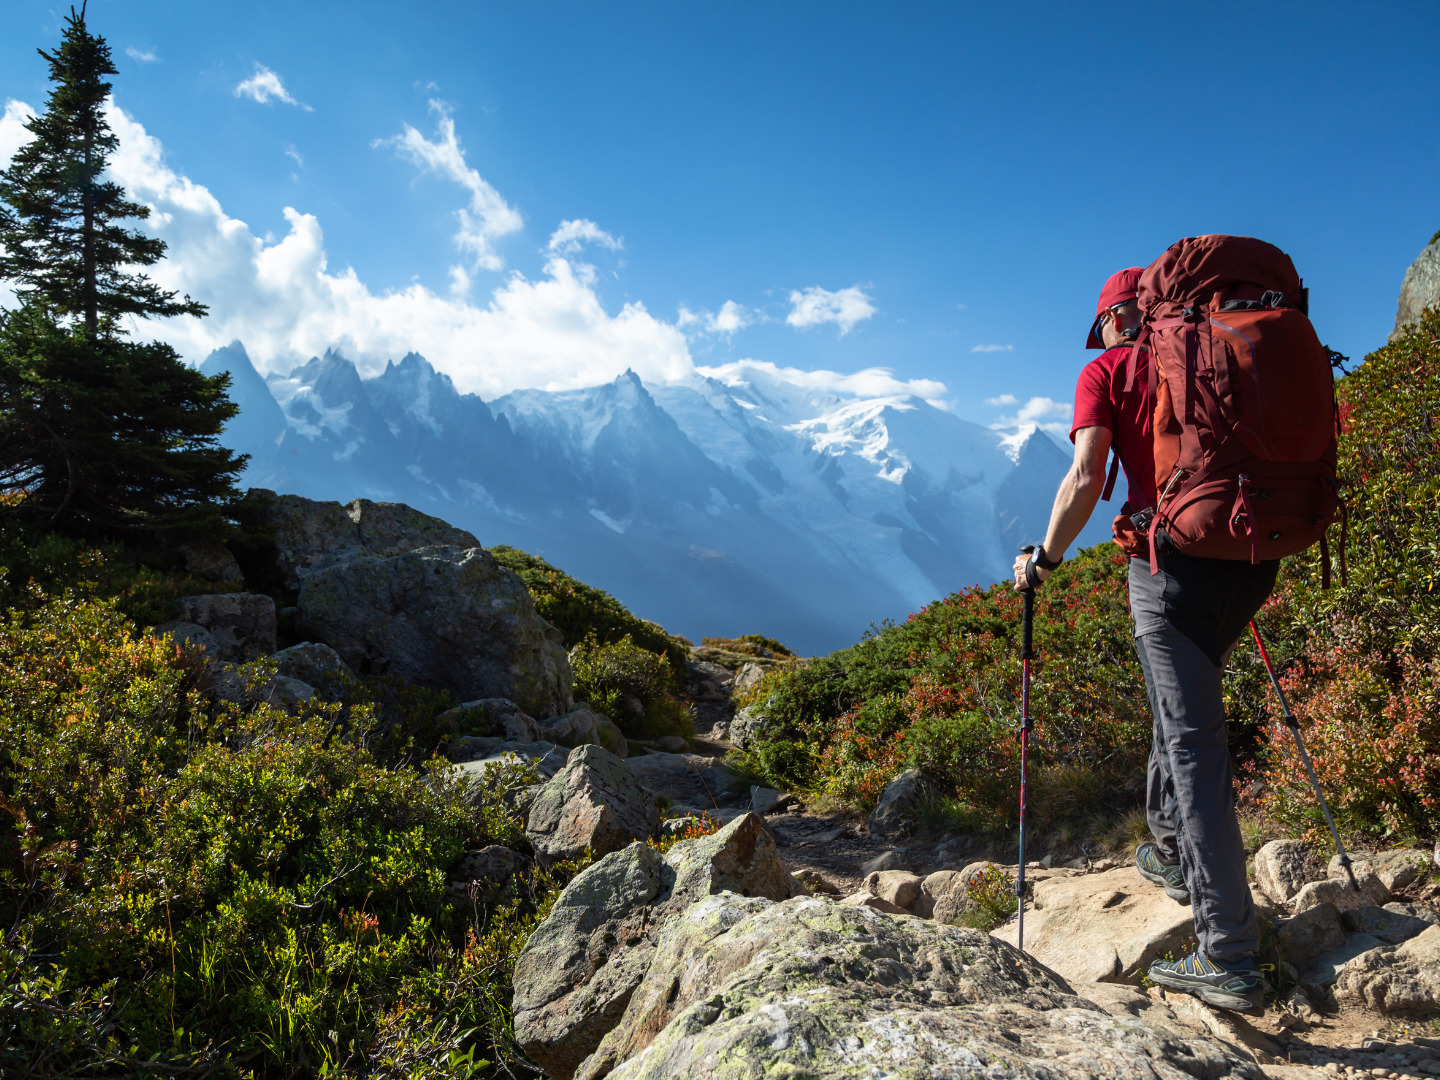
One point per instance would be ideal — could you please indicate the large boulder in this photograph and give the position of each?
(1394, 978)
(594, 802)
(577, 971)
(900, 805)
(442, 617)
(242, 625)
(1101, 927)
(1284, 867)
(1420, 289)
(313, 663)
(812, 988)
(385, 528)
(310, 533)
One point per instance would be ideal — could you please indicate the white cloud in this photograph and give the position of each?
(1003, 399)
(870, 383)
(284, 301)
(489, 216)
(13, 134)
(844, 307)
(991, 348)
(294, 155)
(145, 56)
(730, 319)
(265, 86)
(1038, 413)
(571, 236)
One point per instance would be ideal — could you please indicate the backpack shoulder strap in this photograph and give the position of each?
(1114, 472)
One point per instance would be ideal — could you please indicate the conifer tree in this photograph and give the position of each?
(97, 434)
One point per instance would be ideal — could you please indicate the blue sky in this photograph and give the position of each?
(971, 172)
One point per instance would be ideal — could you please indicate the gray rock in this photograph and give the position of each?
(1314, 931)
(1420, 289)
(211, 561)
(692, 780)
(313, 663)
(387, 529)
(1395, 978)
(1415, 911)
(241, 624)
(894, 859)
(476, 756)
(900, 887)
(310, 534)
(611, 737)
(740, 858)
(1396, 868)
(487, 876)
(1325, 969)
(305, 532)
(900, 805)
(1284, 867)
(813, 988)
(190, 635)
(594, 802)
(748, 677)
(765, 800)
(578, 969)
(747, 726)
(497, 718)
(444, 618)
(676, 826)
(575, 728)
(672, 744)
(1392, 924)
(1339, 892)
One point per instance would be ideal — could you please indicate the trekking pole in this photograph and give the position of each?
(1027, 651)
(1294, 726)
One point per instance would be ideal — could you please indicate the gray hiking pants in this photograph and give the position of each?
(1187, 620)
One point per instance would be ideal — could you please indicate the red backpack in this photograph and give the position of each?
(1243, 404)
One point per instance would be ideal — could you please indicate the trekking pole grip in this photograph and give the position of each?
(1027, 622)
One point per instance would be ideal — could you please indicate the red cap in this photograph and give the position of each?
(1123, 285)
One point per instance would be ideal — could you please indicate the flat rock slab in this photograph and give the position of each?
(1101, 927)
(815, 989)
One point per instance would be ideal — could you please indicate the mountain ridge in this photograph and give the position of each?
(715, 506)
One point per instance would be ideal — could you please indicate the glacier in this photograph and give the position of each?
(740, 500)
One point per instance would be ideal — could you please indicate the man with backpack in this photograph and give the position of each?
(1196, 345)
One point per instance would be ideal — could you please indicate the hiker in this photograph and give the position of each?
(1188, 617)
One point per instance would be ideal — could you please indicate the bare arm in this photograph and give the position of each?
(1076, 499)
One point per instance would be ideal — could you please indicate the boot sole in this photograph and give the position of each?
(1180, 896)
(1212, 995)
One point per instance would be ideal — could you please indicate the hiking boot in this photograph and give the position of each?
(1240, 988)
(1153, 868)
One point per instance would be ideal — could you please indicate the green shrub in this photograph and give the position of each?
(608, 674)
(992, 899)
(579, 611)
(236, 884)
(757, 645)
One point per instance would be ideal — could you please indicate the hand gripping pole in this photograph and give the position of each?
(1294, 726)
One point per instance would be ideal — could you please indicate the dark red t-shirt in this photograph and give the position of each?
(1101, 401)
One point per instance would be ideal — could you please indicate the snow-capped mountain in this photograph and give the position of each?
(741, 502)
